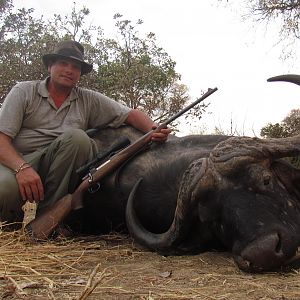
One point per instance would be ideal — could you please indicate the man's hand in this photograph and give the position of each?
(161, 136)
(30, 185)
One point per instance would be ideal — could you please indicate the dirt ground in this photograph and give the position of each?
(111, 267)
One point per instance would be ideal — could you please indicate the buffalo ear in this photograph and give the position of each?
(288, 175)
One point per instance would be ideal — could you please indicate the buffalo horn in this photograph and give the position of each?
(293, 78)
(233, 154)
(198, 174)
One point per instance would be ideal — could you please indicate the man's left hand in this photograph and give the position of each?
(160, 136)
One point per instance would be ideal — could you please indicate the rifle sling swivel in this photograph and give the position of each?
(94, 186)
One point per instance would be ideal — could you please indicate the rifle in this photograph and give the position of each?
(45, 223)
(101, 157)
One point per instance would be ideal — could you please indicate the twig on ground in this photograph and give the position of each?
(89, 287)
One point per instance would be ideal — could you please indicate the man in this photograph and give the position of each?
(42, 132)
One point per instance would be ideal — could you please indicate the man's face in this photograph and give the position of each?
(65, 72)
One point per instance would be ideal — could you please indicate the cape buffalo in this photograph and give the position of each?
(198, 193)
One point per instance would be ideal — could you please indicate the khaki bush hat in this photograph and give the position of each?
(69, 49)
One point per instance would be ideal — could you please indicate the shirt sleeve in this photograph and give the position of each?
(106, 112)
(12, 111)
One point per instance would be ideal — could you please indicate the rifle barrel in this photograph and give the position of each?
(141, 142)
(208, 93)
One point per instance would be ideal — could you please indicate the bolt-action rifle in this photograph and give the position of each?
(45, 223)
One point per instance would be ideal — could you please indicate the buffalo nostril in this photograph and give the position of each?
(264, 253)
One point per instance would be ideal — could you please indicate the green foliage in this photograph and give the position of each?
(138, 72)
(20, 57)
(292, 122)
(4, 5)
(129, 68)
(290, 126)
(276, 130)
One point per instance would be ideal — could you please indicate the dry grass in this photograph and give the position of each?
(111, 267)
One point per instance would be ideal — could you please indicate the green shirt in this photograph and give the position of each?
(30, 117)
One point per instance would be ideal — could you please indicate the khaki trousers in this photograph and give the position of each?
(56, 165)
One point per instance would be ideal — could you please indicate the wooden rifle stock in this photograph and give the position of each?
(45, 223)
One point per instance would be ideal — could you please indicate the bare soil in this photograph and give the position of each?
(112, 267)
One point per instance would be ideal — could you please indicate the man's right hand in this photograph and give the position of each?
(29, 181)
(30, 185)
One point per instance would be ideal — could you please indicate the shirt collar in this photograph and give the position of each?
(43, 88)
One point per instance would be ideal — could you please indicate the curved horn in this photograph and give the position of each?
(198, 174)
(293, 78)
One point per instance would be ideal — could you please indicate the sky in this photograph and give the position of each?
(212, 47)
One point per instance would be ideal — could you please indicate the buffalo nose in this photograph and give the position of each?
(263, 254)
